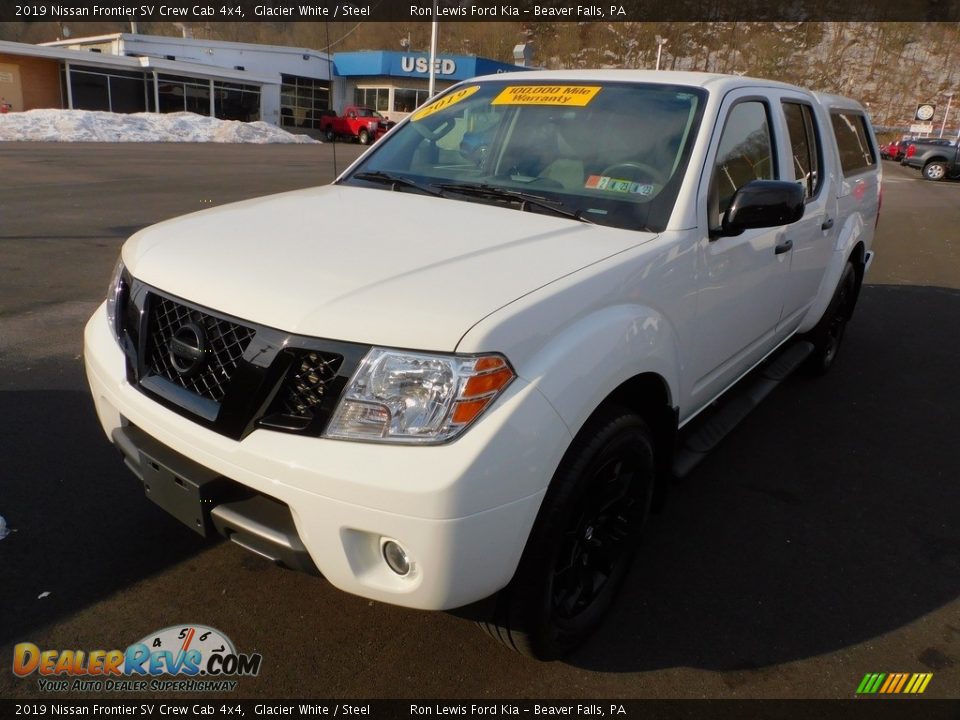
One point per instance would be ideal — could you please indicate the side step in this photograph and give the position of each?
(735, 405)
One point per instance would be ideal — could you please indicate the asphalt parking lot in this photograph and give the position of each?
(820, 542)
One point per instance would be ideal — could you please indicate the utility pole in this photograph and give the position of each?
(433, 51)
(943, 125)
(661, 41)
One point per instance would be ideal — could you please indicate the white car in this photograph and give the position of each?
(456, 377)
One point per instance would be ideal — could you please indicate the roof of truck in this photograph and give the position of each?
(711, 81)
(838, 101)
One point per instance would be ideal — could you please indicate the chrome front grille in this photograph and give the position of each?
(231, 375)
(224, 343)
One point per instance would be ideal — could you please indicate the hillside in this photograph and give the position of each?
(889, 66)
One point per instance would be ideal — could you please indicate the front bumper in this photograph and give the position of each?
(462, 510)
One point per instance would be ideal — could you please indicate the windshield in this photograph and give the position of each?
(609, 153)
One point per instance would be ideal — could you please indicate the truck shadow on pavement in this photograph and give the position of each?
(829, 517)
(826, 519)
(82, 530)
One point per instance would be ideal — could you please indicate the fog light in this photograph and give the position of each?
(396, 557)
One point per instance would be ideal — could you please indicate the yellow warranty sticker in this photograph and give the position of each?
(574, 95)
(444, 102)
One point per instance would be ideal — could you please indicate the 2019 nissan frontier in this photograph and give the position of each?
(455, 378)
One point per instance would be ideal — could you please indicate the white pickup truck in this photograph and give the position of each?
(464, 373)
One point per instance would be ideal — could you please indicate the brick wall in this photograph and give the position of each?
(39, 80)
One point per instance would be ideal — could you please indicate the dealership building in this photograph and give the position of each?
(395, 83)
(284, 86)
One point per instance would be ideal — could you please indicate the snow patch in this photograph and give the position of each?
(95, 126)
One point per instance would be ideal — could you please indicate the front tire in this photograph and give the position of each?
(829, 332)
(935, 170)
(364, 137)
(583, 541)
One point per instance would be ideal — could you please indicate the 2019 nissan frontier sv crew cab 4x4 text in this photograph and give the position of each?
(450, 380)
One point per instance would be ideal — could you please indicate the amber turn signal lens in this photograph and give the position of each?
(493, 374)
(466, 411)
(489, 363)
(483, 384)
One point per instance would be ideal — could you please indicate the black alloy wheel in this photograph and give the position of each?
(828, 334)
(594, 546)
(583, 541)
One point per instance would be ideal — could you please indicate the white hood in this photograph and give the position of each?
(365, 265)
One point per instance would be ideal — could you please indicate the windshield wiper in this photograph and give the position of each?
(394, 181)
(525, 199)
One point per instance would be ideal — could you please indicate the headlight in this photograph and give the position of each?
(407, 397)
(114, 291)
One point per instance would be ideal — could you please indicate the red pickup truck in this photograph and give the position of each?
(357, 123)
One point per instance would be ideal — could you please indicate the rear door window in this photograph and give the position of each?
(856, 152)
(804, 146)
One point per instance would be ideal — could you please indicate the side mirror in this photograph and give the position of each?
(763, 203)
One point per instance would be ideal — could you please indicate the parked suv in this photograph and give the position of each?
(481, 407)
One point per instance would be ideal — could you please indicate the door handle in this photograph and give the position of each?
(785, 246)
(827, 224)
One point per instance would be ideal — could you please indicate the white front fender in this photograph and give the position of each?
(577, 366)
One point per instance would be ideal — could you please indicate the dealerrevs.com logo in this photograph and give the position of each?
(200, 658)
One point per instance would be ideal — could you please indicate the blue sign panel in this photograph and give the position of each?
(416, 65)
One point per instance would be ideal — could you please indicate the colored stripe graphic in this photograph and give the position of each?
(918, 683)
(894, 683)
(891, 679)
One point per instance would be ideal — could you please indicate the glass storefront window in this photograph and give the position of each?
(178, 94)
(127, 95)
(377, 98)
(130, 92)
(109, 90)
(90, 91)
(406, 100)
(237, 102)
(302, 101)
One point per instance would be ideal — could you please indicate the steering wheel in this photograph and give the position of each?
(434, 135)
(651, 172)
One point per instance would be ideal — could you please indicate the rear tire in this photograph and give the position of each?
(330, 135)
(582, 542)
(935, 170)
(829, 332)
